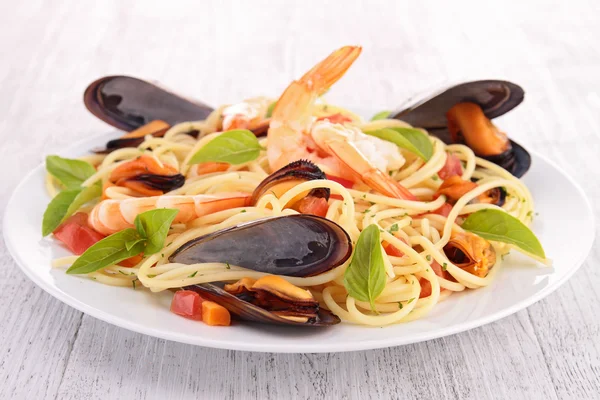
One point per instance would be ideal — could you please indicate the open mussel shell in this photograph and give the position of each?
(250, 312)
(495, 97)
(294, 245)
(128, 103)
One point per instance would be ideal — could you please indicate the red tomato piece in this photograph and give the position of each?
(452, 167)
(391, 250)
(131, 261)
(313, 205)
(344, 182)
(444, 210)
(76, 235)
(336, 118)
(188, 304)
(426, 285)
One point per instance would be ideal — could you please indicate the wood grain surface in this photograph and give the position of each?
(224, 51)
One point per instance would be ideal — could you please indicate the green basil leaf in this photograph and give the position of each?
(154, 226)
(69, 172)
(500, 226)
(65, 204)
(365, 276)
(270, 109)
(232, 147)
(381, 115)
(108, 251)
(131, 243)
(410, 139)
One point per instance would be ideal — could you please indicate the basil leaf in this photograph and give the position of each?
(365, 276)
(69, 172)
(232, 147)
(500, 226)
(153, 226)
(65, 204)
(108, 251)
(270, 109)
(381, 115)
(131, 243)
(410, 139)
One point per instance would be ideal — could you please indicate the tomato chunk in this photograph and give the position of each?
(344, 182)
(313, 205)
(444, 210)
(76, 234)
(426, 285)
(338, 118)
(452, 167)
(188, 304)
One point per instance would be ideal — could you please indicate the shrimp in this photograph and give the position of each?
(339, 150)
(110, 216)
(249, 114)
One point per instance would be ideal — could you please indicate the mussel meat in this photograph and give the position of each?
(270, 300)
(289, 176)
(295, 245)
(470, 252)
(462, 113)
(455, 187)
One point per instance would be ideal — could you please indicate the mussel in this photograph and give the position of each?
(295, 245)
(455, 187)
(270, 299)
(128, 103)
(470, 252)
(146, 176)
(462, 114)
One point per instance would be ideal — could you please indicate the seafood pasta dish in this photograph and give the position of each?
(291, 210)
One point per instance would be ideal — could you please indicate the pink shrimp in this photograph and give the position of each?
(339, 150)
(110, 216)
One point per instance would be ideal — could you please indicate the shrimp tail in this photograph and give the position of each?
(323, 75)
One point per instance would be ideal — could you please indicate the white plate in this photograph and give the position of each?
(567, 237)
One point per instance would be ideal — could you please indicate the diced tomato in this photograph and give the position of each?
(444, 210)
(391, 250)
(313, 205)
(131, 261)
(452, 167)
(344, 182)
(426, 285)
(336, 118)
(188, 304)
(76, 234)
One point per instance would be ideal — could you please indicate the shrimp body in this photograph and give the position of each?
(248, 114)
(110, 216)
(339, 150)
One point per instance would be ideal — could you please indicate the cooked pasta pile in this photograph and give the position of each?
(408, 226)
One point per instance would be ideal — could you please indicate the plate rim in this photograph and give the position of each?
(392, 341)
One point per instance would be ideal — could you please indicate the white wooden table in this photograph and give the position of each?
(224, 51)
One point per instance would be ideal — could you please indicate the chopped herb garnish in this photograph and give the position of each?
(410, 300)
(394, 228)
(162, 255)
(274, 194)
(444, 266)
(228, 266)
(366, 211)
(428, 257)
(243, 211)
(371, 203)
(123, 272)
(133, 283)
(391, 173)
(400, 306)
(151, 276)
(435, 177)
(193, 275)
(364, 196)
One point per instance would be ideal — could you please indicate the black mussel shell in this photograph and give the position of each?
(301, 169)
(495, 98)
(295, 245)
(248, 311)
(166, 183)
(128, 103)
